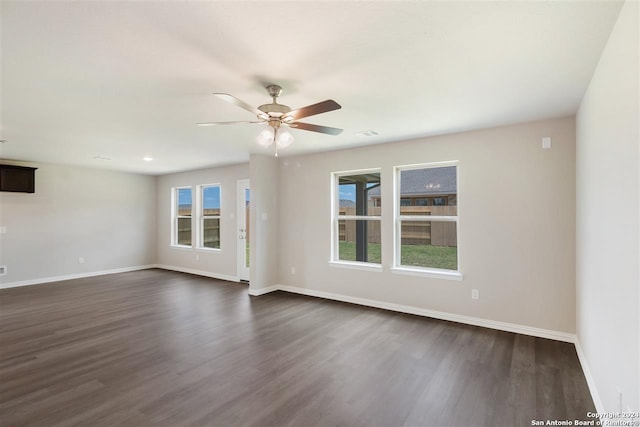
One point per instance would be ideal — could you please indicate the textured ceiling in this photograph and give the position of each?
(124, 80)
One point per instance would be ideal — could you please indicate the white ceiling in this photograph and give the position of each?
(125, 80)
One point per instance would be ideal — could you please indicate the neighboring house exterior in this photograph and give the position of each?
(346, 203)
(424, 187)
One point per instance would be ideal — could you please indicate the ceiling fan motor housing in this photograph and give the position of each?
(274, 109)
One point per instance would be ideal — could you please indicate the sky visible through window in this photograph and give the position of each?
(184, 196)
(210, 197)
(348, 191)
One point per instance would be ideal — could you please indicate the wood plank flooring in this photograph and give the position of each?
(158, 348)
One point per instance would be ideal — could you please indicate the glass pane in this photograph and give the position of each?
(211, 233)
(211, 201)
(359, 240)
(359, 194)
(431, 244)
(184, 231)
(184, 201)
(429, 191)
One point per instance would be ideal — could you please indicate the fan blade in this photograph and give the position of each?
(235, 101)
(316, 128)
(224, 123)
(312, 110)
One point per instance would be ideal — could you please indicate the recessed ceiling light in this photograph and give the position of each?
(101, 158)
(369, 132)
(147, 158)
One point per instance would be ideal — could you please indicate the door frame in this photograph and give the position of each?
(241, 235)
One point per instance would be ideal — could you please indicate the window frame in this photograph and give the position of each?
(334, 259)
(201, 218)
(175, 217)
(398, 219)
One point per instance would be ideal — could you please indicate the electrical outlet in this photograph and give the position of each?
(197, 257)
(475, 294)
(3, 229)
(3, 270)
(546, 142)
(293, 270)
(81, 260)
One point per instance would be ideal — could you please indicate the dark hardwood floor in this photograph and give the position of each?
(169, 349)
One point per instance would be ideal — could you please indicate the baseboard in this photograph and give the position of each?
(117, 270)
(475, 321)
(258, 292)
(199, 272)
(73, 276)
(590, 381)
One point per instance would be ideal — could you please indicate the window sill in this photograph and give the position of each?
(181, 247)
(423, 272)
(356, 265)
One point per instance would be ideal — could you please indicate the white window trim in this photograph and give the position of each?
(434, 273)
(201, 217)
(334, 261)
(397, 219)
(174, 218)
(357, 265)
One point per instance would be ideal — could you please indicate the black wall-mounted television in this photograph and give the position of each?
(17, 179)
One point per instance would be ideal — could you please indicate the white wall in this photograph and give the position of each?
(108, 218)
(516, 231)
(220, 263)
(607, 219)
(265, 252)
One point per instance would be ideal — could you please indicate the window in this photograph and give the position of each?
(182, 212)
(426, 233)
(356, 217)
(209, 221)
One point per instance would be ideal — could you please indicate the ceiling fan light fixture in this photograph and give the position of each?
(265, 137)
(284, 138)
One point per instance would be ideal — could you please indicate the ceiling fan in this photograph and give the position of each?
(278, 116)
